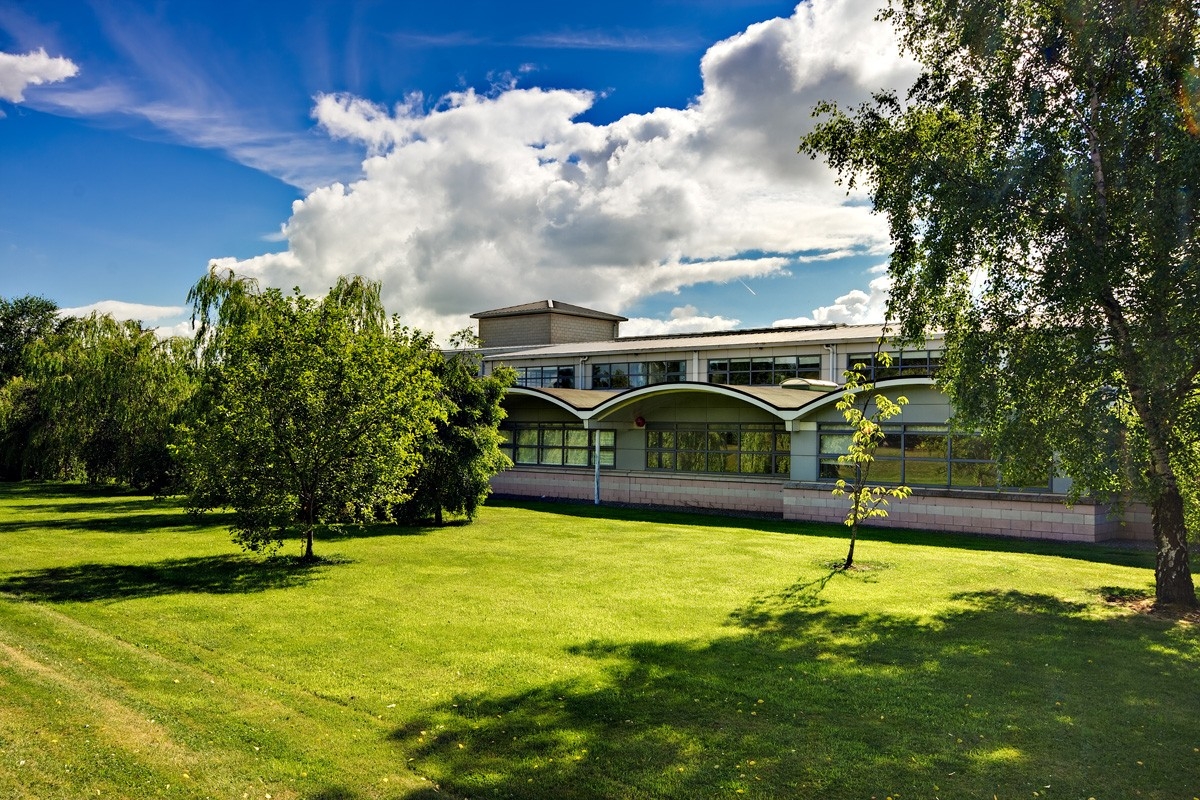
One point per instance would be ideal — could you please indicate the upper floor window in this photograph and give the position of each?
(547, 377)
(631, 374)
(905, 364)
(762, 371)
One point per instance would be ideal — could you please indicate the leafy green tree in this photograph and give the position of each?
(311, 411)
(867, 501)
(23, 320)
(21, 417)
(462, 454)
(1040, 184)
(101, 397)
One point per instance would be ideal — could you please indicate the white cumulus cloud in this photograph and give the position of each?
(683, 319)
(119, 309)
(19, 72)
(482, 201)
(173, 320)
(856, 307)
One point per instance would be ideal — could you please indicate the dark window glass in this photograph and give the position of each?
(542, 377)
(633, 374)
(763, 370)
(917, 363)
(917, 455)
(748, 449)
(556, 444)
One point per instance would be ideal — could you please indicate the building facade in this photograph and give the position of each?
(746, 422)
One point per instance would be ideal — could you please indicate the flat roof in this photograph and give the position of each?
(725, 340)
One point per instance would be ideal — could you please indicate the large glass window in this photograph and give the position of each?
(632, 374)
(741, 448)
(905, 364)
(547, 377)
(763, 370)
(917, 455)
(556, 444)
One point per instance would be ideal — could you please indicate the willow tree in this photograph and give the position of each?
(103, 397)
(1040, 183)
(310, 412)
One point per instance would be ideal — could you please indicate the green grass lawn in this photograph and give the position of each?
(567, 652)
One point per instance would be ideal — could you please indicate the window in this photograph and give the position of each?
(908, 364)
(763, 370)
(547, 377)
(631, 374)
(556, 444)
(917, 455)
(739, 448)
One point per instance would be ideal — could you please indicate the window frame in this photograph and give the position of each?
(713, 448)
(903, 468)
(557, 444)
(763, 370)
(636, 374)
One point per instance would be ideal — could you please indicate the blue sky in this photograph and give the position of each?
(634, 157)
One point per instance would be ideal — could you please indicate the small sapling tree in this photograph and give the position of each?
(866, 501)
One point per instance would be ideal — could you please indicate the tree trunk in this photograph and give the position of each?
(850, 555)
(309, 512)
(1172, 569)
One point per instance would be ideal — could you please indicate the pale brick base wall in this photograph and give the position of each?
(705, 492)
(1032, 516)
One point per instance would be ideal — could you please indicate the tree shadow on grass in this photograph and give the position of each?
(1003, 695)
(225, 574)
(106, 509)
(41, 490)
(761, 611)
(1120, 554)
(117, 521)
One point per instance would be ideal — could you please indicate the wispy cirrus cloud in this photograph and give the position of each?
(597, 39)
(451, 39)
(180, 92)
(606, 40)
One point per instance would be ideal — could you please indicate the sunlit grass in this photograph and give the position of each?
(563, 651)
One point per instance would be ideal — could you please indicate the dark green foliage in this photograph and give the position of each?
(460, 456)
(97, 402)
(1040, 184)
(311, 410)
(23, 320)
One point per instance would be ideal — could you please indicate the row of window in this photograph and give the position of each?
(632, 374)
(742, 448)
(907, 363)
(916, 455)
(557, 444)
(760, 371)
(543, 377)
